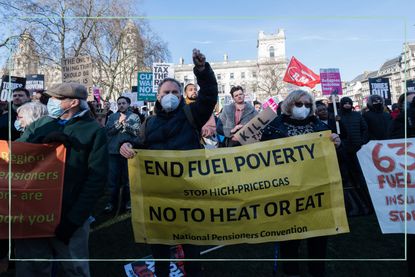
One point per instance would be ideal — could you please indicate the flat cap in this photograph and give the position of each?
(68, 90)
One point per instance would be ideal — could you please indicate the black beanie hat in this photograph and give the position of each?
(345, 100)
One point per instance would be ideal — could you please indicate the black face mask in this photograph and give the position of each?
(346, 109)
(378, 107)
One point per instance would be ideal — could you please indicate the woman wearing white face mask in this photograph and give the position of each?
(29, 113)
(298, 118)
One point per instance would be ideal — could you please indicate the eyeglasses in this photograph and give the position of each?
(300, 104)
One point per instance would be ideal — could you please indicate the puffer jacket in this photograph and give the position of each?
(357, 132)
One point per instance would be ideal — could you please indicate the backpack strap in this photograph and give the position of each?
(190, 118)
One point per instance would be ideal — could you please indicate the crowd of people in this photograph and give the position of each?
(99, 142)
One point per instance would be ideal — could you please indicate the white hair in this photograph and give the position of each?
(32, 111)
(294, 96)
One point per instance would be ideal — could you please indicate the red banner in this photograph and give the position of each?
(37, 172)
(300, 75)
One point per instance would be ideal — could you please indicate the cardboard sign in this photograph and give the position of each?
(78, 70)
(252, 131)
(8, 84)
(37, 173)
(383, 163)
(331, 82)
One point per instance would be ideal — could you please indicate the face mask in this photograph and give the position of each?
(18, 126)
(169, 102)
(300, 112)
(54, 108)
(378, 106)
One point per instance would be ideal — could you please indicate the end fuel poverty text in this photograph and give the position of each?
(222, 165)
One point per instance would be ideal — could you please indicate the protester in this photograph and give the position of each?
(40, 96)
(298, 118)
(172, 129)
(208, 133)
(20, 97)
(357, 193)
(29, 113)
(395, 111)
(397, 128)
(376, 119)
(234, 116)
(258, 106)
(124, 125)
(323, 114)
(86, 165)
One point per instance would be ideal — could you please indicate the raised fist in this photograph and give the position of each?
(199, 59)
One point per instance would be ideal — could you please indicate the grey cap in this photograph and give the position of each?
(68, 90)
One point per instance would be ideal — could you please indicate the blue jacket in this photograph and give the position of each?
(173, 130)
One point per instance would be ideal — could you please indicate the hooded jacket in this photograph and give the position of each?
(377, 120)
(355, 125)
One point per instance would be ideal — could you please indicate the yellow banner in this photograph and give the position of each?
(276, 190)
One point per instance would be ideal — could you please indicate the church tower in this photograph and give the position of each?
(271, 48)
(25, 60)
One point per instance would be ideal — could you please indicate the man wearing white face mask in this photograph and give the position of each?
(86, 168)
(298, 118)
(172, 129)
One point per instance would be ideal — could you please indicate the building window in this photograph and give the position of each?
(271, 52)
(231, 76)
(254, 74)
(242, 75)
(218, 76)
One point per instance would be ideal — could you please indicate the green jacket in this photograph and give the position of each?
(86, 162)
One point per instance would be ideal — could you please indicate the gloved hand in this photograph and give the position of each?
(58, 137)
(65, 230)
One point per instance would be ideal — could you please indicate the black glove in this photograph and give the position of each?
(58, 137)
(65, 230)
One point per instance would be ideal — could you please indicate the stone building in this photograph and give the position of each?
(397, 69)
(260, 77)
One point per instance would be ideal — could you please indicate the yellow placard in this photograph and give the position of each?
(276, 190)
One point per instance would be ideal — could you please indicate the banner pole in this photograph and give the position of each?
(333, 100)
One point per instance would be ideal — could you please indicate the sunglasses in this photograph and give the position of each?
(300, 104)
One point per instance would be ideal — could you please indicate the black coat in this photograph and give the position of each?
(4, 126)
(277, 129)
(173, 130)
(378, 123)
(356, 128)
